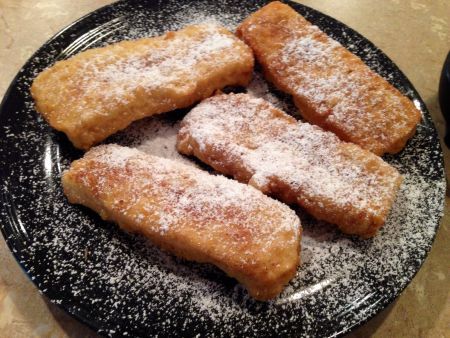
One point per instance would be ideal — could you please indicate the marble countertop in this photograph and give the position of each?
(415, 34)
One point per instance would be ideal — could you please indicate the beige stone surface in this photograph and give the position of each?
(414, 33)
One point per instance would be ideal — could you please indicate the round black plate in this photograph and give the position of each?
(120, 285)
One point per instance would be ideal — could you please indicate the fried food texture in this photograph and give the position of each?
(102, 90)
(331, 87)
(192, 214)
(297, 162)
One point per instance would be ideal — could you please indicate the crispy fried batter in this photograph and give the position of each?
(248, 138)
(191, 213)
(331, 87)
(100, 91)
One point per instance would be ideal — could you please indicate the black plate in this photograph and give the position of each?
(120, 285)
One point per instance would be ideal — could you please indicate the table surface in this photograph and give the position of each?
(415, 34)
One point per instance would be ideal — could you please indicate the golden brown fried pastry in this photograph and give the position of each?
(100, 91)
(191, 213)
(331, 87)
(250, 139)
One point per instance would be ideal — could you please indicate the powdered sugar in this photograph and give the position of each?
(331, 86)
(154, 136)
(161, 67)
(181, 192)
(123, 286)
(115, 74)
(258, 87)
(311, 50)
(272, 151)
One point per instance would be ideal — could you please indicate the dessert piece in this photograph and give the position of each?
(191, 213)
(102, 90)
(253, 141)
(331, 87)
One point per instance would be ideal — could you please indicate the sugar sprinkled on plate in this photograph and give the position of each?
(125, 284)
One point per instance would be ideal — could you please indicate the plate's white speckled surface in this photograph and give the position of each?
(120, 284)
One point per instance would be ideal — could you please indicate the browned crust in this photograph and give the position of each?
(221, 157)
(112, 192)
(89, 116)
(381, 128)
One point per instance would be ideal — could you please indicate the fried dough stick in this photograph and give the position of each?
(191, 213)
(332, 87)
(102, 90)
(254, 142)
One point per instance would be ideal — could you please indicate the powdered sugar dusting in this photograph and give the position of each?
(332, 86)
(168, 66)
(124, 286)
(162, 67)
(264, 146)
(258, 87)
(341, 94)
(217, 206)
(154, 136)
